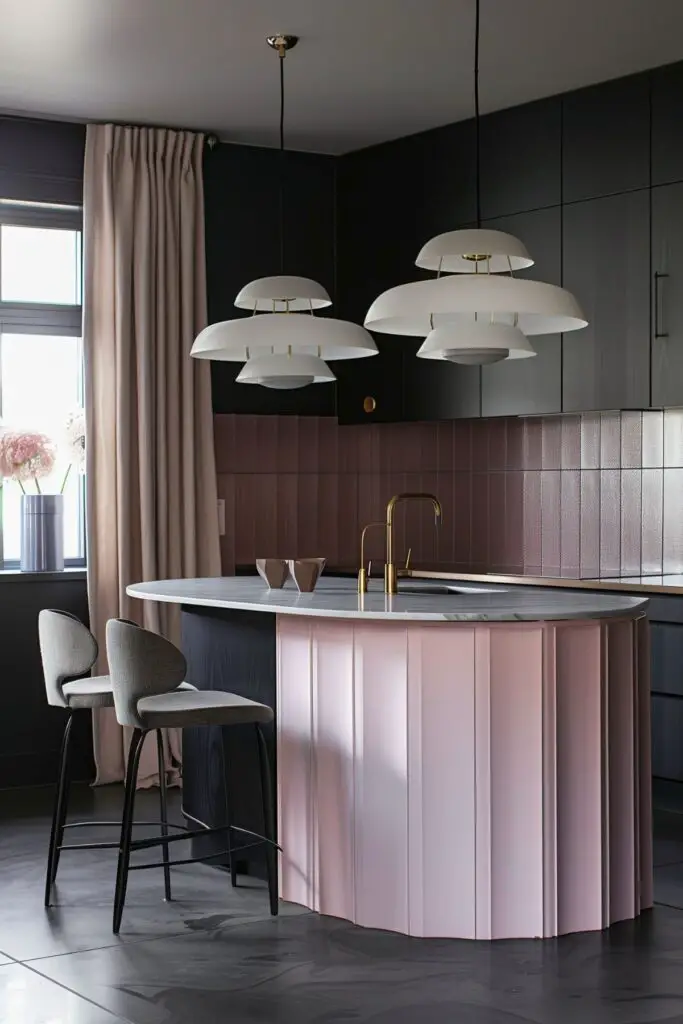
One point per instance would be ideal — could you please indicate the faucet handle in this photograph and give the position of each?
(410, 551)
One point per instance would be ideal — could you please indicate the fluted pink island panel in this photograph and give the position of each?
(472, 780)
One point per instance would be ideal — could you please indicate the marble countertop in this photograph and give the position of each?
(419, 600)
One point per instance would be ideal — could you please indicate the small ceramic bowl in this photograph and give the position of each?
(274, 571)
(305, 572)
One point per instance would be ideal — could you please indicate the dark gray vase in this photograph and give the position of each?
(42, 532)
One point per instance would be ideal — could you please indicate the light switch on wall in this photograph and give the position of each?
(221, 517)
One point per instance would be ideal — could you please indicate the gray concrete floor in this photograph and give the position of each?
(214, 954)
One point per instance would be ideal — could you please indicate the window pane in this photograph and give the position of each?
(40, 265)
(41, 384)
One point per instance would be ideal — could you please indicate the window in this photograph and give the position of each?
(41, 354)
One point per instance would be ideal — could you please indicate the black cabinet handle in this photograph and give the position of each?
(658, 319)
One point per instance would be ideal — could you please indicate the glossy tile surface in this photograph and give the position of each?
(317, 484)
(217, 957)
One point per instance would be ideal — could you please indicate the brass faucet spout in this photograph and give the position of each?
(390, 573)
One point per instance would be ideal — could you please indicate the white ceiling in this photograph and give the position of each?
(364, 71)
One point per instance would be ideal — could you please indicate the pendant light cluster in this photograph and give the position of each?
(283, 345)
(479, 313)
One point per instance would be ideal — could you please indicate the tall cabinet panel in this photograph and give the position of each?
(606, 264)
(518, 386)
(667, 137)
(606, 139)
(667, 295)
(374, 248)
(521, 158)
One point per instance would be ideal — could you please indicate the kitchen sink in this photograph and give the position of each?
(445, 589)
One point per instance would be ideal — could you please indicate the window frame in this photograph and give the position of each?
(56, 320)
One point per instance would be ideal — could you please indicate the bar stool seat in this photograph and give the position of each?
(93, 692)
(200, 707)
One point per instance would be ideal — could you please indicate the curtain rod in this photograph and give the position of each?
(211, 139)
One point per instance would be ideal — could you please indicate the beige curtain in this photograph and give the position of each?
(151, 477)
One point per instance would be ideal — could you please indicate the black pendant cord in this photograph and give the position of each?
(282, 162)
(477, 145)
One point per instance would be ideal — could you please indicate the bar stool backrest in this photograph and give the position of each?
(141, 663)
(68, 651)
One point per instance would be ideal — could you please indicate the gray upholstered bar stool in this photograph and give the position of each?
(68, 651)
(146, 671)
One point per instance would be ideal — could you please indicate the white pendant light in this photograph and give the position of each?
(455, 252)
(237, 340)
(418, 307)
(284, 372)
(283, 347)
(283, 294)
(475, 315)
(476, 343)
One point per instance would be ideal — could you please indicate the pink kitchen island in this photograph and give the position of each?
(471, 764)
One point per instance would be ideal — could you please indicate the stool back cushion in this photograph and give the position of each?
(68, 650)
(141, 663)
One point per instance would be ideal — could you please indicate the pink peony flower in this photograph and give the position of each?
(26, 456)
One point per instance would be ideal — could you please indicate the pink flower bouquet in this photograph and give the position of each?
(26, 456)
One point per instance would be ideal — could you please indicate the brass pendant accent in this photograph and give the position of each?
(476, 257)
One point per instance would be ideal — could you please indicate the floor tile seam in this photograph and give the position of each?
(78, 995)
(122, 943)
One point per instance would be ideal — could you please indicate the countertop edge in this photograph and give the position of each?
(635, 610)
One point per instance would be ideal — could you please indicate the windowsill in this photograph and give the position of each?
(75, 573)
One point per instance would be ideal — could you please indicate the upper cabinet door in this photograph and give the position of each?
(521, 158)
(606, 264)
(667, 295)
(667, 137)
(518, 386)
(374, 252)
(606, 139)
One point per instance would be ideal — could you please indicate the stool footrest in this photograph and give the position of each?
(146, 844)
(192, 860)
(117, 824)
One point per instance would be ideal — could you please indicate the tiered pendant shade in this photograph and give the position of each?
(418, 307)
(283, 294)
(474, 250)
(326, 337)
(284, 372)
(476, 343)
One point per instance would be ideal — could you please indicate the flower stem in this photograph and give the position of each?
(38, 490)
(66, 477)
(23, 489)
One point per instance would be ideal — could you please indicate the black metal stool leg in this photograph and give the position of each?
(59, 812)
(163, 804)
(136, 741)
(268, 819)
(228, 813)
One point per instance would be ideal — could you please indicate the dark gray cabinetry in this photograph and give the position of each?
(606, 139)
(518, 386)
(667, 295)
(606, 264)
(521, 158)
(667, 689)
(667, 138)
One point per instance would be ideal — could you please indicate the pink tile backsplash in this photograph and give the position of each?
(584, 495)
